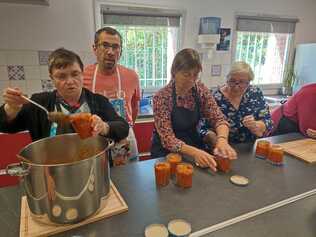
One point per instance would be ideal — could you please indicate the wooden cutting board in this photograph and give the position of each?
(304, 149)
(115, 204)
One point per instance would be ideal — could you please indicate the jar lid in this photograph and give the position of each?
(179, 227)
(156, 230)
(239, 180)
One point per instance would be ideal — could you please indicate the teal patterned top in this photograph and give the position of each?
(252, 103)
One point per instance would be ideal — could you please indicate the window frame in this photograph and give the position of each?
(268, 89)
(162, 9)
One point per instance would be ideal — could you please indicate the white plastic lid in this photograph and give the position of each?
(179, 227)
(156, 230)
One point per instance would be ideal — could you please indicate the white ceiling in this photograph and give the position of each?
(33, 2)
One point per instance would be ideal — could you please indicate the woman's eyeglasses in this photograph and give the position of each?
(241, 84)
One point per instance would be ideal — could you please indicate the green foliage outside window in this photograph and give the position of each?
(145, 51)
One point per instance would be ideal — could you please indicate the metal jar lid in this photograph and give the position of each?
(156, 230)
(179, 228)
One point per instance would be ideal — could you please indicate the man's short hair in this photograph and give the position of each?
(108, 30)
(62, 58)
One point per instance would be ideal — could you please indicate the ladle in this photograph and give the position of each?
(57, 117)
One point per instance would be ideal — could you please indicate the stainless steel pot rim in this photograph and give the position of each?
(26, 161)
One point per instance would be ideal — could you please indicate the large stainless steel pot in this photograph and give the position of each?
(59, 187)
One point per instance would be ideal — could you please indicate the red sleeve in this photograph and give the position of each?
(290, 108)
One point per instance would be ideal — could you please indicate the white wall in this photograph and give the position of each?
(71, 23)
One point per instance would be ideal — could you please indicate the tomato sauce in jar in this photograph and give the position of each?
(262, 149)
(223, 164)
(162, 173)
(276, 155)
(184, 173)
(174, 159)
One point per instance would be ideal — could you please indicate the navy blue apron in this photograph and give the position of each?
(184, 124)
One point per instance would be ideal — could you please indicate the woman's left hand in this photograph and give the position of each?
(311, 133)
(223, 149)
(255, 127)
(99, 126)
(249, 122)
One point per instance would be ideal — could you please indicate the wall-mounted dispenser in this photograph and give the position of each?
(209, 36)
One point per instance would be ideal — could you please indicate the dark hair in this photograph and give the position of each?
(186, 59)
(61, 58)
(108, 30)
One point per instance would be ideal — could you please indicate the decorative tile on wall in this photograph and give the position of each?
(16, 72)
(43, 57)
(47, 85)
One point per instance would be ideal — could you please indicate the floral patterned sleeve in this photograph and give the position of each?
(263, 112)
(162, 106)
(209, 107)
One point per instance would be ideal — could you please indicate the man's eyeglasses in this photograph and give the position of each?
(241, 84)
(107, 46)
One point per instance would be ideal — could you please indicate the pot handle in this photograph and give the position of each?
(14, 169)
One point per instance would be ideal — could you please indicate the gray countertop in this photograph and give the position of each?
(211, 200)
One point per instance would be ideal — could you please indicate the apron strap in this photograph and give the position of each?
(194, 93)
(94, 79)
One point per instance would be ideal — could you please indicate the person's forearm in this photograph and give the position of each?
(188, 150)
(222, 131)
(11, 112)
(210, 138)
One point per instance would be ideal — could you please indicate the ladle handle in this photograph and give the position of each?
(14, 169)
(34, 103)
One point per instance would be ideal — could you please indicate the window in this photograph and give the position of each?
(150, 40)
(266, 44)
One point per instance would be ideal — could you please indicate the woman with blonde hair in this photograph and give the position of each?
(243, 105)
(178, 108)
